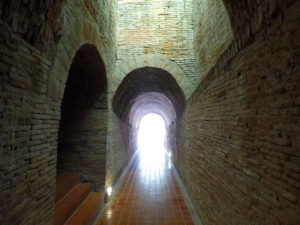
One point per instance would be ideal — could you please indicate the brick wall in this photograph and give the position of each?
(212, 34)
(31, 91)
(29, 123)
(117, 152)
(238, 151)
(37, 22)
(157, 27)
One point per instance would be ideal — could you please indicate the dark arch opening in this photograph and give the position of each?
(143, 91)
(83, 125)
(143, 80)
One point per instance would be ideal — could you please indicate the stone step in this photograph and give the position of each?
(65, 182)
(87, 212)
(67, 205)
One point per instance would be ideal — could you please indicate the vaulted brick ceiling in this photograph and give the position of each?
(38, 22)
(151, 89)
(152, 102)
(87, 78)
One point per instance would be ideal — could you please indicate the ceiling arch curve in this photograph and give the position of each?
(153, 60)
(146, 90)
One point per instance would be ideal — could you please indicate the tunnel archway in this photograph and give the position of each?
(83, 125)
(148, 90)
(126, 66)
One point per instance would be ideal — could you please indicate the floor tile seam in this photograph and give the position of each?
(129, 182)
(131, 172)
(181, 194)
(120, 187)
(130, 188)
(124, 183)
(187, 200)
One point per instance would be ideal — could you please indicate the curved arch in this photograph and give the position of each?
(143, 91)
(152, 102)
(58, 74)
(145, 80)
(82, 130)
(152, 60)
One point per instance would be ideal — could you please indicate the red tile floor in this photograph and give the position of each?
(149, 194)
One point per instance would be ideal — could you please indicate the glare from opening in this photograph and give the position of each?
(109, 191)
(169, 164)
(151, 139)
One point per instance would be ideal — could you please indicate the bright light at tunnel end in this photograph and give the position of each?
(152, 136)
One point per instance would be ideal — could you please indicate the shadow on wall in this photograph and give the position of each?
(83, 125)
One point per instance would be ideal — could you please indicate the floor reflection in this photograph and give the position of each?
(149, 194)
(152, 163)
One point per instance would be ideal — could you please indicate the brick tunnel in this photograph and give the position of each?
(143, 91)
(78, 79)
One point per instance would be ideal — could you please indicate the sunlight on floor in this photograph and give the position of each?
(150, 193)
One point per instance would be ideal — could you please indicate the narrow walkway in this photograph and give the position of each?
(149, 195)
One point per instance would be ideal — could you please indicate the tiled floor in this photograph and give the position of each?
(149, 195)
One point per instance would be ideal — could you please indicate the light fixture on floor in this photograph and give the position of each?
(109, 191)
(107, 194)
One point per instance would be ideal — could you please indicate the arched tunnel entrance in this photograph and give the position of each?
(149, 103)
(83, 125)
(144, 91)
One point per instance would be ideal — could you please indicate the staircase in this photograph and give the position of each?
(75, 204)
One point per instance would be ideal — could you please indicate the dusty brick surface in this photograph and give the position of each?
(157, 27)
(239, 149)
(212, 34)
(38, 22)
(32, 83)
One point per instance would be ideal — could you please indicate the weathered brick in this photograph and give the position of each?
(252, 138)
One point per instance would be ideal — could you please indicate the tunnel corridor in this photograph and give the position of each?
(150, 192)
(150, 103)
(81, 83)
